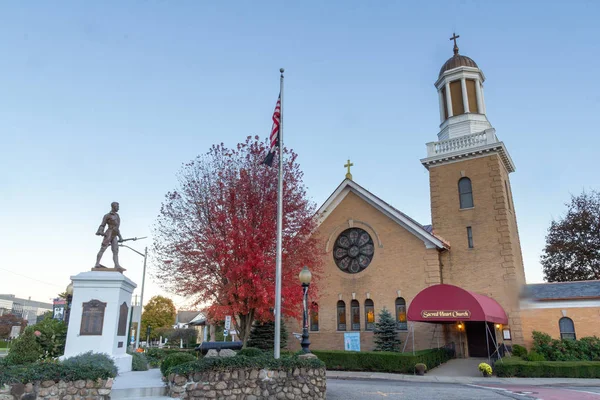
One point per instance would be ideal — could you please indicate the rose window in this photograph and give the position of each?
(353, 250)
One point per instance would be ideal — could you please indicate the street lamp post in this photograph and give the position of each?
(305, 277)
(145, 255)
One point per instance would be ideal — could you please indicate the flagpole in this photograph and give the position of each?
(279, 225)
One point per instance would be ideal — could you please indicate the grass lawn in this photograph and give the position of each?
(3, 344)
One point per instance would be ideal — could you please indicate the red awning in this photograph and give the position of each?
(449, 303)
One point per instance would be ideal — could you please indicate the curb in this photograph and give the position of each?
(464, 380)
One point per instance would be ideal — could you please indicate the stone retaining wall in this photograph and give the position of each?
(78, 390)
(252, 384)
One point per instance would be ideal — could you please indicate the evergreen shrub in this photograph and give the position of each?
(155, 356)
(25, 349)
(534, 356)
(386, 336)
(250, 352)
(175, 359)
(262, 335)
(519, 351)
(139, 362)
(584, 349)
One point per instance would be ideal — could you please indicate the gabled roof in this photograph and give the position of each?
(562, 290)
(184, 317)
(199, 319)
(422, 232)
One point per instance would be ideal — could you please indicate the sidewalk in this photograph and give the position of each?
(464, 380)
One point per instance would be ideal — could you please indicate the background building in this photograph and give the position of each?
(25, 308)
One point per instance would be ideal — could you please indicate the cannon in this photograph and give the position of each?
(204, 347)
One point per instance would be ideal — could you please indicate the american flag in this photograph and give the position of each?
(274, 139)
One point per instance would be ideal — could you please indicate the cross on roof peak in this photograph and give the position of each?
(454, 37)
(348, 165)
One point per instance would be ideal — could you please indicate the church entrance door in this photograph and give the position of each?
(476, 338)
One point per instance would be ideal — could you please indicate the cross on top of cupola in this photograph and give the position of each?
(456, 60)
(454, 37)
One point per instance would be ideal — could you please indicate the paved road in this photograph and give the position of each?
(339, 389)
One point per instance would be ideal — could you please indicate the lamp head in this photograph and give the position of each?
(69, 289)
(305, 276)
(498, 326)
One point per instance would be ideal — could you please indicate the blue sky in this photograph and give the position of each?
(103, 101)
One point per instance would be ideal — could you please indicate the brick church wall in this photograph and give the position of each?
(585, 319)
(402, 264)
(494, 267)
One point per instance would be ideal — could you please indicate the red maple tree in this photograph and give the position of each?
(215, 237)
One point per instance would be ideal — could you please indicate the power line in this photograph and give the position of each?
(28, 277)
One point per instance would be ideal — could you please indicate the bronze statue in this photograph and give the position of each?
(112, 236)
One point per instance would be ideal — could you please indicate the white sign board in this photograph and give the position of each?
(228, 322)
(15, 331)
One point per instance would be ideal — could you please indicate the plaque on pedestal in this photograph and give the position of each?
(92, 318)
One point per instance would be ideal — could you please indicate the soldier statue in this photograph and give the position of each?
(112, 235)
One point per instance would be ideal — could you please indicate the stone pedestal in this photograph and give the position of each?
(99, 317)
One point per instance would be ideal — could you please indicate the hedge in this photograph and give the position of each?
(156, 355)
(139, 362)
(517, 367)
(376, 361)
(82, 367)
(250, 352)
(175, 359)
(243, 362)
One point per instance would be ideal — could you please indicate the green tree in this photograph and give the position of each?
(386, 337)
(262, 336)
(158, 313)
(25, 349)
(572, 251)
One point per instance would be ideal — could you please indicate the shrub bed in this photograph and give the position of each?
(243, 362)
(88, 366)
(175, 359)
(156, 356)
(517, 367)
(382, 361)
(584, 349)
(250, 352)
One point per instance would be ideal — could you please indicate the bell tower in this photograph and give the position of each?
(471, 199)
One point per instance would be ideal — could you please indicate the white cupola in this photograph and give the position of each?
(460, 93)
(464, 128)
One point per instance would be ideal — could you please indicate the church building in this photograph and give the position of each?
(456, 281)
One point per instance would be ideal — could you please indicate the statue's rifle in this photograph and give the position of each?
(134, 239)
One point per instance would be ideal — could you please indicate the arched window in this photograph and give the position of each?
(369, 315)
(341, 315)
(401, 323)
(465, 192)
(314, 317)
(567, 328)
(355, 313)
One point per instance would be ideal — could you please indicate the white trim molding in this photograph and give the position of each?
(467, 146)
(431, 241)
